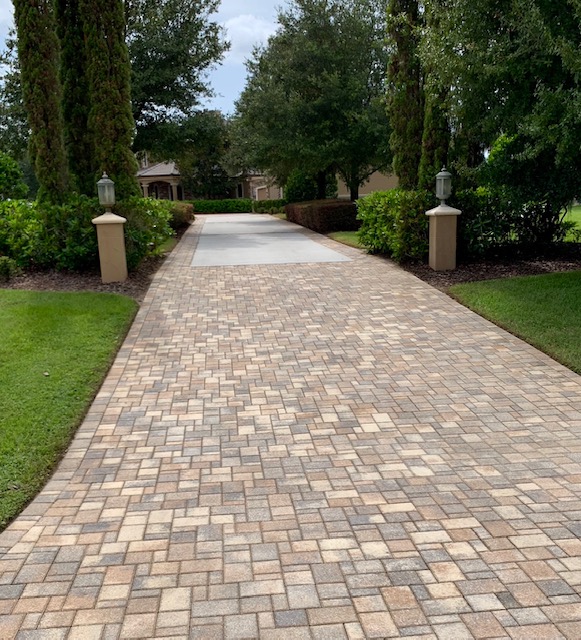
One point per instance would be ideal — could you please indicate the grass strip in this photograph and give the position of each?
(542, 310)
(55, 349)
(346, 237)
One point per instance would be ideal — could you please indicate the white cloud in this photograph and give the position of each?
(244, 32)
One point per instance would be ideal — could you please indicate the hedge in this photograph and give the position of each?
(394, 222)
(41, 236)
(268, 206)
(235, 205)
(324, 216)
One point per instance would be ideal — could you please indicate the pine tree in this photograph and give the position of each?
(75, 100)
(110, 120)
(38, 53)
(405, 94)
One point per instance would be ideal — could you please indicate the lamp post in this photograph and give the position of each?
(443, 226)
(106, 191)
(443, 185)
(110, 235)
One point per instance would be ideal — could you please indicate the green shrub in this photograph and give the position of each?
(147, 228)
(234, 205)
(268, 206)
(493, 221)
(182, 213)
(8, 268)
(394, 222)
(39, 235)
(324, 216)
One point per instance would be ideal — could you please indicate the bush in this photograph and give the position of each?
(493, 221)
(235, 205)
(268, 206)
(8, 268)
(147, 228)
(182, 213)
(62, 237)
(394, 222)
(324, 216)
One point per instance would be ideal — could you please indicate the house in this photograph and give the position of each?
(162, 180)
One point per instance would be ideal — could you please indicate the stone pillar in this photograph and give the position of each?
(111, 238)
(443, 232)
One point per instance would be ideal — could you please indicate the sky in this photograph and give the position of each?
(247, 23)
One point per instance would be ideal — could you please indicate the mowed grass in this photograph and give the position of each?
(55, 349)
(542, 310)
(346, 237)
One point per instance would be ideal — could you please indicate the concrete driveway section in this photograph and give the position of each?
(250, 239)
(308, 451)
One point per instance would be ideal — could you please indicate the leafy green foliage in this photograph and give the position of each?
(324, 216)
(147, 228)
(12, 183)
(233, 205)
(395, 223)
(54, 353)
(14, 131)
(45, 236)
(543, 310)
(182, 213)
(172, 45)
(302, 187)
(268, 206)
(8, 268)
(312, 100)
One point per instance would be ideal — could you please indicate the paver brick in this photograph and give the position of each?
(331, 450)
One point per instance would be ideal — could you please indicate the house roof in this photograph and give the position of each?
(159, 169)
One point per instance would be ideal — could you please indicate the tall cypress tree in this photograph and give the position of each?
(110, 120)
(38, 52)
(75, 100)
(435, 140)
(405, 102)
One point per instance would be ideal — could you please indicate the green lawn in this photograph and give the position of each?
(543, 310)
(346, 237)
(55, 349)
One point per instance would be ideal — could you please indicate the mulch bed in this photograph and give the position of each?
(562, 258)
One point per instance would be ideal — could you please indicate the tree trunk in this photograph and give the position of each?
(321, 185)
(354, 192)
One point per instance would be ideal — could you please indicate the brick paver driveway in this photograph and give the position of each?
(314, 451)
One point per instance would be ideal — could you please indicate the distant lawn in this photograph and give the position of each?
(346, 237)
(574, 215)
(542, 310)
(55, 349)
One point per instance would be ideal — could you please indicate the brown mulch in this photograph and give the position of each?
(135, 286)
(563, 258)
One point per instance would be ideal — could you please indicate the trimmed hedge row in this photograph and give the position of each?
(62, 237)
(324, 216)
(268, 206)
(234, 205)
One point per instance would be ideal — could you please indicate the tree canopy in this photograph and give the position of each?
(172, 45)
(314, 95)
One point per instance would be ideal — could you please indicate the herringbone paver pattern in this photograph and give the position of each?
(309, 451)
